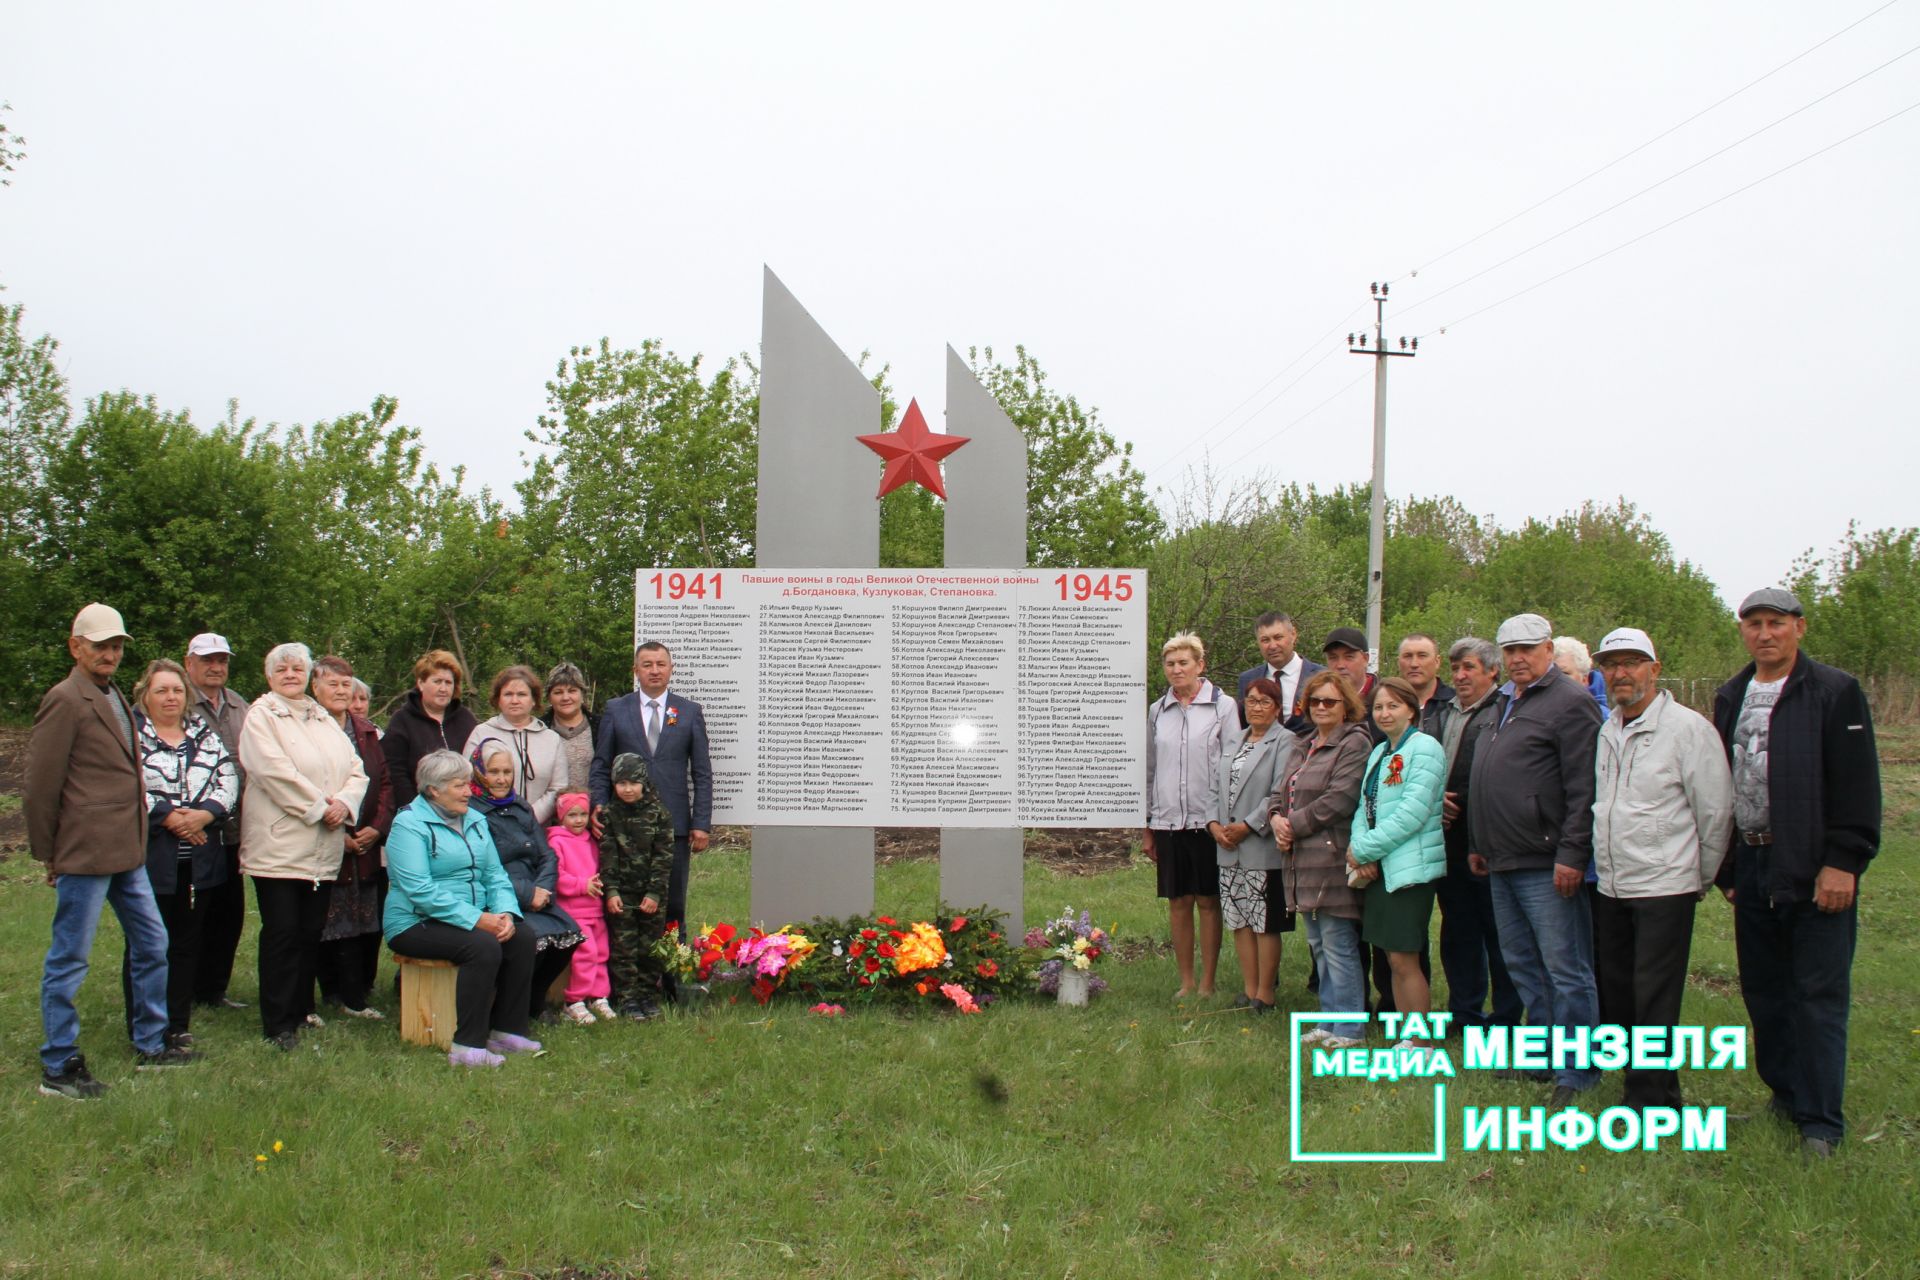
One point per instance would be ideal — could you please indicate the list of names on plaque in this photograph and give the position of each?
(902, 697)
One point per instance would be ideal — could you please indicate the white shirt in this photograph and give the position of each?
(1288, 678)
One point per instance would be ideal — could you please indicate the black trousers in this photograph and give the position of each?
(346, 968)
(491, 985)
(1640, 949)
(676, 903)
(224, 918)
(292, 913)
(1470, 954)
(547, 965)
(1796, 972)
(181, 911)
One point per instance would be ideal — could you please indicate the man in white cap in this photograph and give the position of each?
(1806, 811)
(86, 809)
(1662, 813)
(225, 905)
(1530, 828)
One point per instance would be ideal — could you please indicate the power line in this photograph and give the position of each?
(1812, 155)
(1311, 347)
(1714, 106)
(1297, 421)
(1664, 181)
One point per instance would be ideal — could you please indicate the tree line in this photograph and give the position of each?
(344, 534)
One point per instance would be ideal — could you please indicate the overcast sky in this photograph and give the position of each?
(1178, 210)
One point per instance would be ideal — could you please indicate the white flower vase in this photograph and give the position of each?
(1075, 986)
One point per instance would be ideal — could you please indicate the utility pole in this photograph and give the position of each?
(1377, 521)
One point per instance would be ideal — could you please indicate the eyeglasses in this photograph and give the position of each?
(1324, 702)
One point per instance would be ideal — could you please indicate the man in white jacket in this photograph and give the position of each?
(1662, 817)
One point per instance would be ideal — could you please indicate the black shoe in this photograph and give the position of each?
(285, 1041)
(1261, 1006)
(171, 1056)
(222, 1002)
(1243, 1001)
(180, 1039)
(72, 1081)
(648, 1010)
(635, 1010)
(1812, 1149)
(1562, 1096)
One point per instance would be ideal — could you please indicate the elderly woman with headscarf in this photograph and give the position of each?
(540, 761)
(191, 785)
(431, 719)
(349, 957)
(530, 862)
(450, 899)
(304, 785)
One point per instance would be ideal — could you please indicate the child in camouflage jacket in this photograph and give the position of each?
(636, 856)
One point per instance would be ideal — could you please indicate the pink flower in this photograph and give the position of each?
(828, 1010)
(958, 994)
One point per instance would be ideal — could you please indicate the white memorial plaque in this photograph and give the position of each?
(912, 697)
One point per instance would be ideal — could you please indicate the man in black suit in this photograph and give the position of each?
(1276, 635)
(670, 734)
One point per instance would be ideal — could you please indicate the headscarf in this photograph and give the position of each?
(480, 756)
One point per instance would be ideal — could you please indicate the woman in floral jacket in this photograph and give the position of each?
(191, 786)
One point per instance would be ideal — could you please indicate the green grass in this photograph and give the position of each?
(1136, 1138)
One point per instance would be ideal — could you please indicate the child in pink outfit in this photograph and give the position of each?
(580, 894)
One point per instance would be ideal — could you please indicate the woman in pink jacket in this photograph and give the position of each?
(580, 896)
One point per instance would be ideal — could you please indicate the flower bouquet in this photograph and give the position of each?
(1071, 945)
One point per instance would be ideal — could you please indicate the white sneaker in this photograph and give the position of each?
(577, 1014)
(601, 1009)
(1319, 1035)
(315, 1021)
(1343, 1042)
(1420, 1051)
(370, 1013)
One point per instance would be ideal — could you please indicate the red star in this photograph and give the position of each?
(913, 453)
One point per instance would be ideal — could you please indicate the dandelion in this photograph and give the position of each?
(278, 1146)
(259, 1159)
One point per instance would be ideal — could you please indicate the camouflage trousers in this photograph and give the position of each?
(633, 971)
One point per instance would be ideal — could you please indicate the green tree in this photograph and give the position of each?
(1863, 602)
(1087, 503)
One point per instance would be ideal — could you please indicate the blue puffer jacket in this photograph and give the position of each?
(1404, 836)
(443, 869)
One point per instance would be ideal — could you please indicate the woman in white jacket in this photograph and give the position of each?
(304, 782)
(539, 753)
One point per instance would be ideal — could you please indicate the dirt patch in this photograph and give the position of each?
(1073, 851)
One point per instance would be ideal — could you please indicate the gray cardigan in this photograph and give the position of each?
(1265, 765)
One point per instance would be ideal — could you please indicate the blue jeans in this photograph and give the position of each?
(76, 914)
(1343, 976)
(1547, 941)
(1470, 953)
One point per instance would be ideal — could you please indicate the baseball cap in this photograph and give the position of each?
(1524, 628)
(206, 644)
(1626, 640)
(1345, 638)
(1779, 599)
(99, 623)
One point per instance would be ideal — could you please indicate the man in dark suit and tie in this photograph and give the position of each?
(1276, 635)
(670, 734)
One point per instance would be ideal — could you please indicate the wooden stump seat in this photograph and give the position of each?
(426, 1001)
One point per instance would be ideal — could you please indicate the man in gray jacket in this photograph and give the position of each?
(1662, 818)
(1530, 827)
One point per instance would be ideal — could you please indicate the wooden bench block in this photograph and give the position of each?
(427, 1013)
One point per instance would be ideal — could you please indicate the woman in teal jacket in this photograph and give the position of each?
(450, 899)
(1397, 847)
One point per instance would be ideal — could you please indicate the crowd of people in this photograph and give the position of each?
(520, 848)
(1565, 820)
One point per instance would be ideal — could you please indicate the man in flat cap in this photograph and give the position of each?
(207, 661)
(1662, 812)
(1806, 809)
(1530, 827)
(86, 809)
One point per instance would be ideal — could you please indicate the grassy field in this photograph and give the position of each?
(1137, 1138)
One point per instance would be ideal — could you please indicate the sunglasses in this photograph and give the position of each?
(1325, 702)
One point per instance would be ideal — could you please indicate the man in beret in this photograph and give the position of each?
(1806, 811)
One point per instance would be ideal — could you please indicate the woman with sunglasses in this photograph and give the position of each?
(1312, 814)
